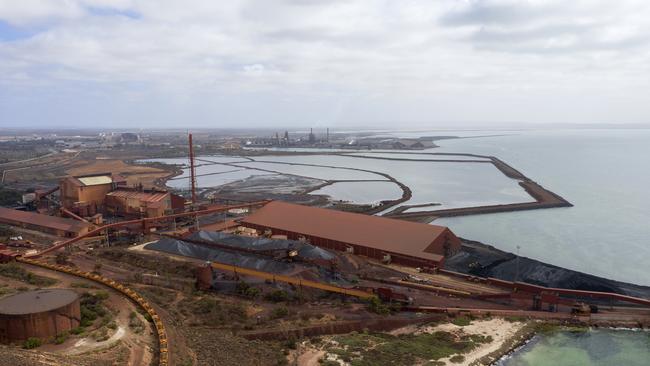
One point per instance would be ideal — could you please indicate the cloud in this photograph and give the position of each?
(296, 60)
(551, 26)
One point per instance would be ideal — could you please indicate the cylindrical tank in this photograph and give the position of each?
(39, 313)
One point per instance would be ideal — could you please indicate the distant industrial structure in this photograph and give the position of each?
(340, 141)
(397, 241)
(41, 314)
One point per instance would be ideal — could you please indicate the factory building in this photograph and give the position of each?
(49, 224)
(401, 242)
(85, 195)
(108, 193)
(39, 313)
(135, 202)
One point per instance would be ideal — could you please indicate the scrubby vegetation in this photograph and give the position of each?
(16, 272)
(279, 312)
(277, 296)
(9, 197)
(377, 349)
(248, 291)
(135, 323)
(61, 338)
(462, 321)
(92, 309)
(32, 343)
(212, 312)
(377, 306)
(6, 232)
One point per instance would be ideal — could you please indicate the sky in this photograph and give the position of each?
(322, 63)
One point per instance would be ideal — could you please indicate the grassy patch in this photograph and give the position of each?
(515, 319)
(461, 321)
(158, 295)
(377, 306)
(210, 311)
(135, 323)
(32, 343)
(92, 308)
(277, 296)
(61, 338)
(4, 289)
(457, 358)
(16, 272)
(360, 349)
(279, 312)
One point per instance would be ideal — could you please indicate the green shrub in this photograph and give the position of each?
(77, 330)
(61, 338)
(15, 271)
(461, 321)
(376, 306)
(279, 312)
(457, 358)
(31, 343)
(277, 296)
(101, 295)
(92, 308)
(291, 343)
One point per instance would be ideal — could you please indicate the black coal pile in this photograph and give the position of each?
(259, 262)
(305, 250)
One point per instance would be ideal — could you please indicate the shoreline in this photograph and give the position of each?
(496, 263)
(527, 338)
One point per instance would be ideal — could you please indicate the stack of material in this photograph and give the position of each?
(240, 258)
(305, 250)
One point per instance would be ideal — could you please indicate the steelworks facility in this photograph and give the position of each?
(404, 242)
(49, 224)
(108, 193)
(40, 313)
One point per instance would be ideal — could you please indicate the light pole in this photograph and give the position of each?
(517, 266)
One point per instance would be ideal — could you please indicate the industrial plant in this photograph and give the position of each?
(147, 243)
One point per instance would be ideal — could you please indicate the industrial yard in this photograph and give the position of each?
(257, 270)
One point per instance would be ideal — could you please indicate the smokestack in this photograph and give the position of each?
(192, 171)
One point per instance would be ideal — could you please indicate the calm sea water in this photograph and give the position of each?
(604, 173)
(595, 347)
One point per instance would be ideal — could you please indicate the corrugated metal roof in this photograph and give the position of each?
(397, 236)
(97, 180)
(37, 301)
(10, 216)
(139, 195)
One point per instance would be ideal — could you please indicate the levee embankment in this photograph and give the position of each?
(543, 198)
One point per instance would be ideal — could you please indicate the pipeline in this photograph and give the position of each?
(536, 289)
(144, 222)
(163, 359)
(421, 286)
(496, 312)
(73, 215)
(292, 280)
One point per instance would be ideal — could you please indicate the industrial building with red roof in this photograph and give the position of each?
(50, 224)
(404, 242)
(137, 202)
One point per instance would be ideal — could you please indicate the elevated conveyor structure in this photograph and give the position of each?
(145, 222)
(292, 280)
(163, 357)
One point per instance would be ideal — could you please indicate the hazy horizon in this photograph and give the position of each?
(337, 64)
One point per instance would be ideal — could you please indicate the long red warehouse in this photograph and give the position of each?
(408, 243)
